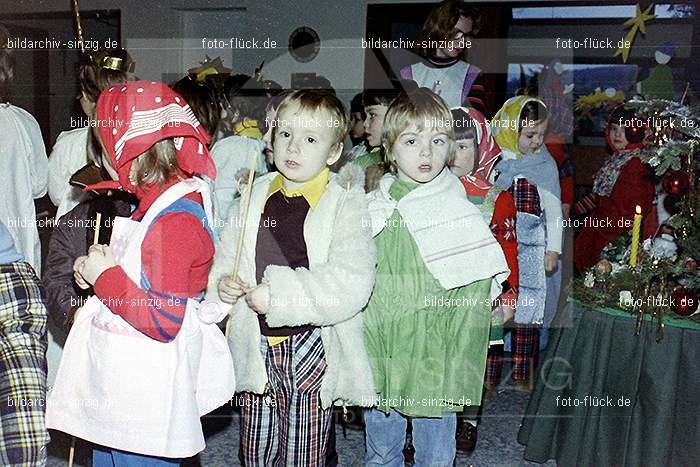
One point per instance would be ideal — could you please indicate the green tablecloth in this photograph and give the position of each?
(595, 357)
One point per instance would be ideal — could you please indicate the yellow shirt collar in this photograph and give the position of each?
(311, 191)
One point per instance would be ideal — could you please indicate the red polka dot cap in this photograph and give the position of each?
(134, 116)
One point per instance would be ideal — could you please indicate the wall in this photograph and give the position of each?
(156, 34)
(152, 32)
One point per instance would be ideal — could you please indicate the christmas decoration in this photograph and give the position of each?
(665, 282)
(636, 23)
(659, 84)
(598, 100)
(676, 182)
(207, 68)
(636, 228)
(662, 247)
(626, 300)
(684, 302)
(603, 267)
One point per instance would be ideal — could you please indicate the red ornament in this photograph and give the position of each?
(676, 182)
(683, 301)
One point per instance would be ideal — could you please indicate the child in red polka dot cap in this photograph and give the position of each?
(132, 117)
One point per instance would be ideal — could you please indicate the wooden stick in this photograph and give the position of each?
(78, 26)
(248, 190)
(98, 224)
(687, 85)
(71, 453)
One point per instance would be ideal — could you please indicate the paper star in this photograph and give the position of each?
(636, 23)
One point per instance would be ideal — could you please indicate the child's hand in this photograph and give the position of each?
(372, 175)
(99, 259)
(550, 261)
(77, 266)
(259, 299)
(508, 312)
(565, 211)
(505, 312)
(230, 289)
(241, 178)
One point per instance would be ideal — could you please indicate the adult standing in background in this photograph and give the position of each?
(442, 46)
(23, 163)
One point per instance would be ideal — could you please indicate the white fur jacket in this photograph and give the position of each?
(331, 293)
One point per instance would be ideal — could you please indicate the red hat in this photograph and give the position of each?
(132, 117)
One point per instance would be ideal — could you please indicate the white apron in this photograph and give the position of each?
(121, 389)
(447, 82)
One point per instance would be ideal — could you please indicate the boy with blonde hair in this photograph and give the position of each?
(306, 272)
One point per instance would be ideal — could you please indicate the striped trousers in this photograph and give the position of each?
(288, 426)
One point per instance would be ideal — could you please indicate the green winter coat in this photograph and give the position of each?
(427, 345)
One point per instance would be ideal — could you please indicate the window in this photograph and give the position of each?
(601, 11)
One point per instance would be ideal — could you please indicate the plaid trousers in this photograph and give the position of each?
(23, 434)
(525, 345)
(288, 426)
(494, 365)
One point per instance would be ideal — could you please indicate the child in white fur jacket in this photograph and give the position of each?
(326, 363)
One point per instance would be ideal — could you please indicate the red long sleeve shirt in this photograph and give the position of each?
(176, 253)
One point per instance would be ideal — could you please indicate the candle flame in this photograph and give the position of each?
(638, 209)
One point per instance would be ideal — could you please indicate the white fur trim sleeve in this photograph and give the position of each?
(333, 291)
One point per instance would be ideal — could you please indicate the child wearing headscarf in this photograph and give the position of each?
(530, 175)
(148, 356)
(476, 154)
(620, 185)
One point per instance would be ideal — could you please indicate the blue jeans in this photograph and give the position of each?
(106, 457)
(433, 439)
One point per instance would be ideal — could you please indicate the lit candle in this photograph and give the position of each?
(635, 235)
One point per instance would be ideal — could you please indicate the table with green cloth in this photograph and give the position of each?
(605, 396)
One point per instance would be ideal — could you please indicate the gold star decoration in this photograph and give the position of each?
(208, 67)
(636, 23)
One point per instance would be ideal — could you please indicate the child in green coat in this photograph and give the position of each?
(427, 322)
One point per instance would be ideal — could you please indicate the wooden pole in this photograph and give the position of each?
(685, 93)
(98, 224)
(71, 453)
(244, 221)
(79, 27)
